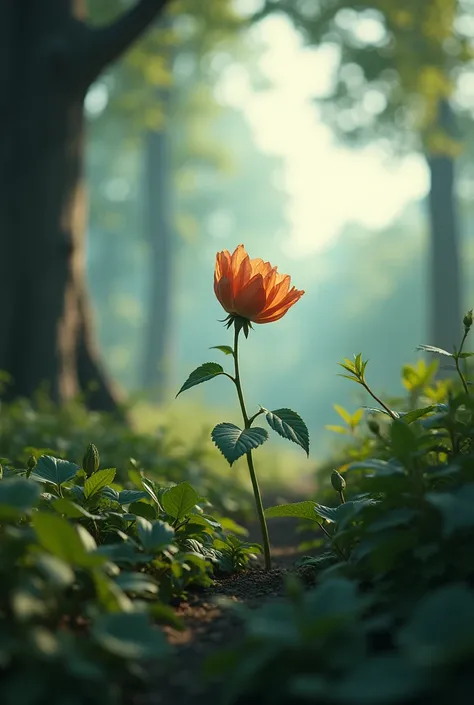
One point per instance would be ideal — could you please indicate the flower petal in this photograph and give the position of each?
(250, 300)
(242, 276)
(223, 260)
(276, 312)
(223, 291)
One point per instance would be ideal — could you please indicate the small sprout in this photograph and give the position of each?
(91, 460)
(467, 321)
(31, 464)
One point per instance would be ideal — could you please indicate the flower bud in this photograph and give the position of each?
(373, 426)
(31, 463)
(91, 460)
(337, 481)
(467, 320)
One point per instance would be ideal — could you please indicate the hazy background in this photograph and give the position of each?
(250, 158)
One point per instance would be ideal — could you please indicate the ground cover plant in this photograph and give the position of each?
(88, 566)
(390, 619)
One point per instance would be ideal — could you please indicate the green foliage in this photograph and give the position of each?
(233, 442)
(203, 373)
(87, 568)
(390, 618)
(289, 425)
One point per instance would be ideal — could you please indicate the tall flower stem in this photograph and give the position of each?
(456, 362)
(253, 476)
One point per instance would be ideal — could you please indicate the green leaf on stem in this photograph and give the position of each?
(205, 372)
(226, 349)
(300, 510)
(98, 481)
(179, 500)
(234, 442)
(432, 349)
(54, 470)
(289, 425)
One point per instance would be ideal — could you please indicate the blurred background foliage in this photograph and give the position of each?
(178, 167)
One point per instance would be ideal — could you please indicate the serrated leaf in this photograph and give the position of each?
(226, 349)
(204, 373)
(179, 500)
(289, 425)
(301, 510)
(433, 349)
(98, 481)
(234, 442)
(54, 470)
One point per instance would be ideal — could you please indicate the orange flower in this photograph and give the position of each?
(251, 288)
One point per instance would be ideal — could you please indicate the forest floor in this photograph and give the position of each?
(209, 626)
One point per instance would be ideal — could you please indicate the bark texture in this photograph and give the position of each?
(48, 58)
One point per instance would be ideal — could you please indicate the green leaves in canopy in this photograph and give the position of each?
(205, 372)
(54, 470)
(234, 442)
(179, 500)
(403, 440)
(289, 425)
(129, 635)
(96, 482)
(129, 496)
(17, 496)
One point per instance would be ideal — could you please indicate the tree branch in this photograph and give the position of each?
(104, 45)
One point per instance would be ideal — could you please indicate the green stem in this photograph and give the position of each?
(456, 362)
(379, 401)
(253, 476)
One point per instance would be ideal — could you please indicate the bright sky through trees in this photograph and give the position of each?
(329, 185)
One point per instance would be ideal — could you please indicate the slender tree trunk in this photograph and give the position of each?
(159, 235)
(48, 59)
(445, 314)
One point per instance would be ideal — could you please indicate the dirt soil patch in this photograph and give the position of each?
(210, 626)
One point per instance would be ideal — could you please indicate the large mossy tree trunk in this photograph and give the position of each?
(49, 57)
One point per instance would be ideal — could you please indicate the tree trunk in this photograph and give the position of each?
(445, 284)
(48, 58)
(159, 234)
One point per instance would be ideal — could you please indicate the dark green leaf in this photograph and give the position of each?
(142, 509)
(226, 349)
(138, 583)
(129, 496)
(54, 470)
(57, 536)
(440, 630)
(73, 510)
(234, 442)
(301, 510)
(129, 635)
(155, 536)
(17, 496)
(179, 500)
(457, 508)
(411, 416)
(289, 425)
(98, 481)
(381, 468)
(403, 440)
(205, 372)
(381, 680)
(150, 488)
